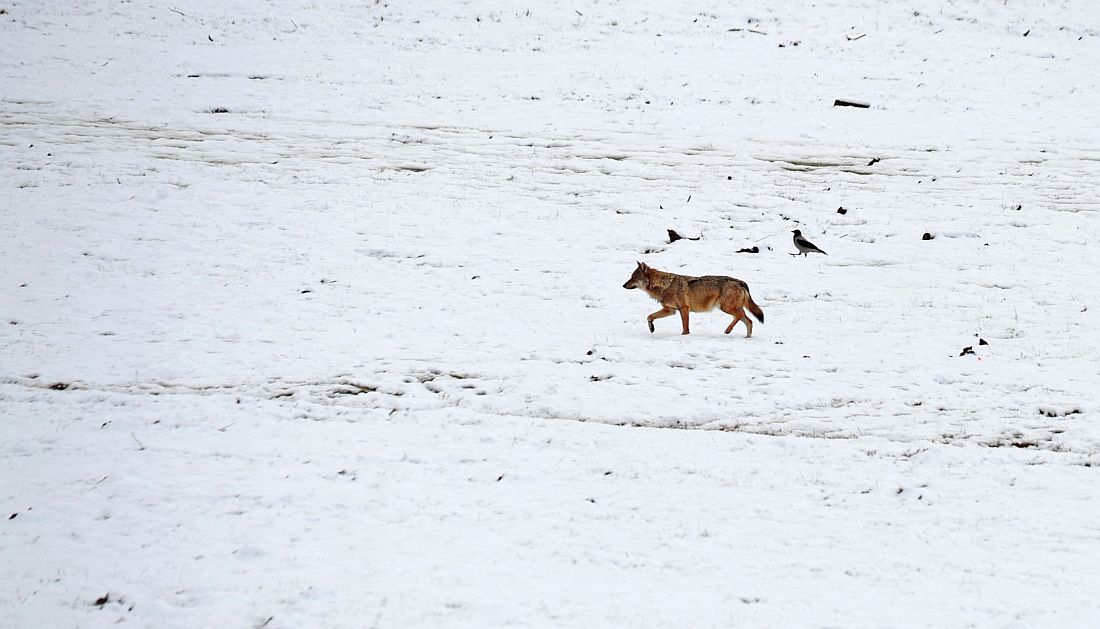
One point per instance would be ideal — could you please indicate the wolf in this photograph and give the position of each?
(695, 294)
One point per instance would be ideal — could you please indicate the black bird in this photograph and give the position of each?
(805, 247)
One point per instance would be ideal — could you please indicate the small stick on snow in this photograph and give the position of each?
(177, 11)
(141, 446)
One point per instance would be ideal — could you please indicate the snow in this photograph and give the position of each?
(355, 352)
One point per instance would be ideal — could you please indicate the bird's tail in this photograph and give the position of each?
(755, 310)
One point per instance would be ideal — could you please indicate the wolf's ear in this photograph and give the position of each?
(641, 265)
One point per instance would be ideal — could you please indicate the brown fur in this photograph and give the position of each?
(688, 294)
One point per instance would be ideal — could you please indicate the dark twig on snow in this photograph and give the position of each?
(747, 30)
(177, 11)
(850, 103)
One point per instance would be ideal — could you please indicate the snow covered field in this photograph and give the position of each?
(312, 314)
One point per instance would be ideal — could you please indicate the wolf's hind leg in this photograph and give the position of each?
(738, 315)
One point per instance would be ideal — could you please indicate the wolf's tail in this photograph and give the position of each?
(755, 310)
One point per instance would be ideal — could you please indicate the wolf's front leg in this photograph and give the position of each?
(684, 312)
(660, 314)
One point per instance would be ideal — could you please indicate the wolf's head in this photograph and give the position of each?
(638, 279)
